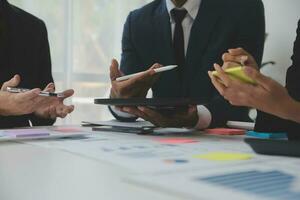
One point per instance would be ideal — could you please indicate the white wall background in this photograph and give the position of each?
(282, 19)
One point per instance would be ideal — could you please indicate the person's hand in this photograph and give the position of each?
(186, 118)
(17, 104)
(238, 56)
(14, 82)
(134, 87)
(268, 95)
(53, 107)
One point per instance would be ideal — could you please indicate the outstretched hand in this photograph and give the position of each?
(15, 104)
(134, 87)
(18, 104)
(53, 107)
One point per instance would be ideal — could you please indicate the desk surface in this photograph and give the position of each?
(32, 171)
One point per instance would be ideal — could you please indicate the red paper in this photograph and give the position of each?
(225, 131)
(176, 141)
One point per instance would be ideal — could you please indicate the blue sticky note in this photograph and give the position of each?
(267, 135)
(1, 134)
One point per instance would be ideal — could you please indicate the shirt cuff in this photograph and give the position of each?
(205, 118)
(120, 113)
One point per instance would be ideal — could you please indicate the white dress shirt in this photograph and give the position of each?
(192, 8)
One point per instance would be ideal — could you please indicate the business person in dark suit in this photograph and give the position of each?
(25, 62)
(192, 34)
(282, 103)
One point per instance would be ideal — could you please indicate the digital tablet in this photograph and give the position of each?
(275, 147)
(165, 106)
(149, 102)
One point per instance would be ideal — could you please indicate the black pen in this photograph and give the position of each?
(42, 93)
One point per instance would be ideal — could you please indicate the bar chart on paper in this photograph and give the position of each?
(272, 184)
(260, 181)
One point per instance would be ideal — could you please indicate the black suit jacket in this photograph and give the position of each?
(270, 123)
(220, 25)
(24, 50)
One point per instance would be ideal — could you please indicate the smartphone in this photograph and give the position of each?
(237, 73)
(42, 93)
(134, 130)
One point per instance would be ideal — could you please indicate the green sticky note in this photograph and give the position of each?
(224, 156)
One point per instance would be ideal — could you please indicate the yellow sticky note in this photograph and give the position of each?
(223, 156)
(237, 73)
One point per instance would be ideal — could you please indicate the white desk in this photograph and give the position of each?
(30, 172)
(34, 173)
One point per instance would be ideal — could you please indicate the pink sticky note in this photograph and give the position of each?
(27, 133)
(225, 131)
(176, 140)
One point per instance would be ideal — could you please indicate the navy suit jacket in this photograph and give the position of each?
(219, 26)
(270, 123)
(24, 50)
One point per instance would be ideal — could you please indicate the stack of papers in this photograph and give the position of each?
(190, 166)
(34, 134)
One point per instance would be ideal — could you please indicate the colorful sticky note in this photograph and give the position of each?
(176, 161)
(267, 135)
(67, 130)
(225, 131)
(26, 133)
(224, 156)
(176, 140)
(2, 134)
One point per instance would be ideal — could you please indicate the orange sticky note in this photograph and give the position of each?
(176, 140)
(225, 131)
